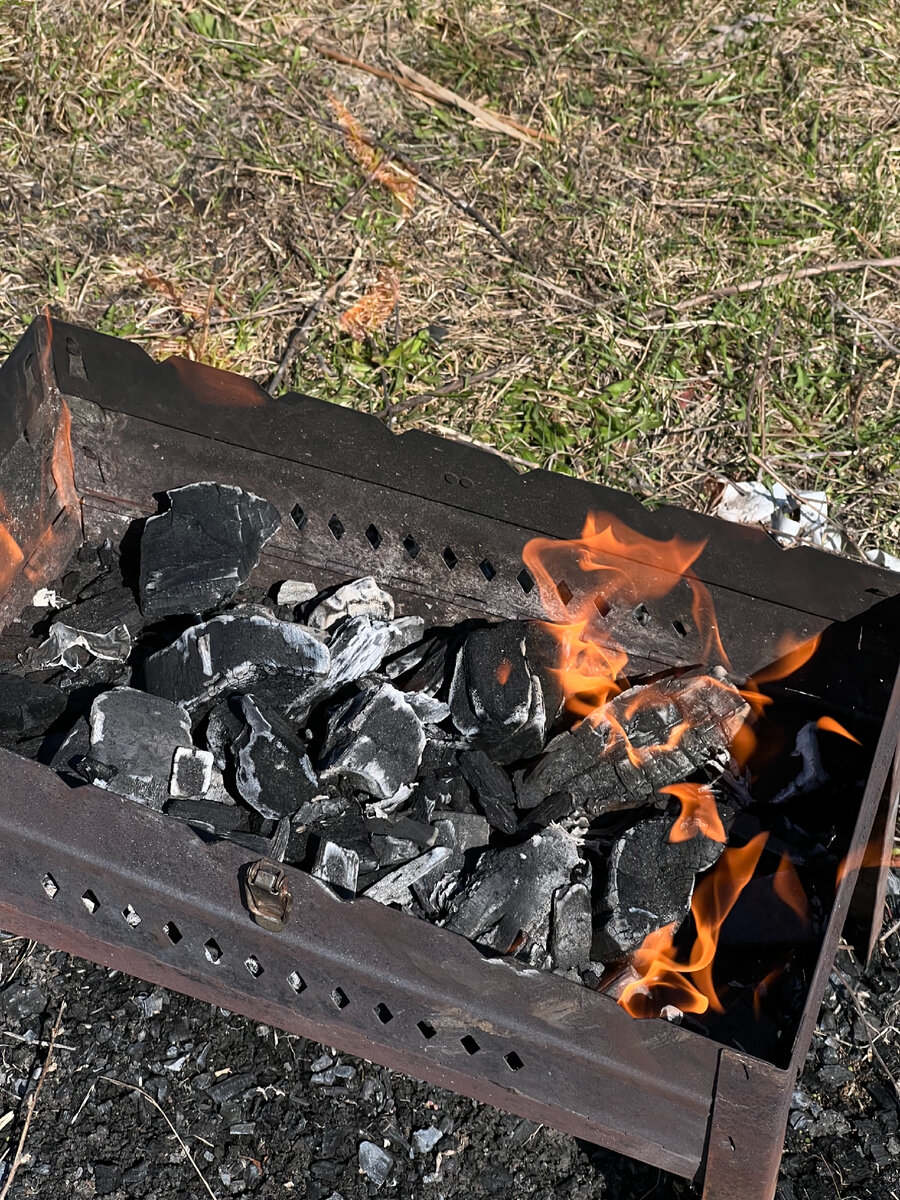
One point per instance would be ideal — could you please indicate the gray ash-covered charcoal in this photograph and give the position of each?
(27, 708)
(134, 737)
(233, 652)
(492, 788)
(649, 884)
(192, 772)
(375, 742)
(337, 866)
(461, 833)
(571, 928)
(675, 727)
(506, 903)
(340, 822)
(499, 700)
(361, 598)
(196, 555)
(274, 775)
(223, 725)
(417, 832)
(393, 888)
(292, 592)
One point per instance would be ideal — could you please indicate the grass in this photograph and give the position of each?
(172, 173)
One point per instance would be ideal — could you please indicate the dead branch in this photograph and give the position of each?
(31, 1103)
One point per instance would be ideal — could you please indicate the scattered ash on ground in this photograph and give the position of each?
(266, 1114)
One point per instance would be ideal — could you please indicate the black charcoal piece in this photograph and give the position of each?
(340, 822)
(497, 698)
(103, 610)
(375, 742)
(361, 598)
(418, 832)
(510, 894)
(393, 888)
(425, 663)
(27, 708)
(192, 772)
(223, 725)
(554, 808)
(138, 735)
(337, 866)
(71, 751)
(217, 818)
(198, 553)
(233, 652)
(649, 884)
(430, 710)
(812, 773)
(392, 851)
(492, 789)
(460, 833)
(434, 791)
(570, 927)
(274, 774)
(74, 648)
(685, 722)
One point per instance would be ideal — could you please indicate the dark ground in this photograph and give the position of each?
(265, 1114)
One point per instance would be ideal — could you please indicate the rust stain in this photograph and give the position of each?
(219, 388)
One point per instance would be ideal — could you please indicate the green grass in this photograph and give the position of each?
(154, 152)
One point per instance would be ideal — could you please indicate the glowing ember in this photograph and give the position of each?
(698, 815)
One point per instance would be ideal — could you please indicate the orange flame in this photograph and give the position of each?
(62, 464)
(761, 990)
(698, 813)
(688, 985)
(829, 725)
(789, 889)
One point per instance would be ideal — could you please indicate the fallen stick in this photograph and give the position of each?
(31, 1103)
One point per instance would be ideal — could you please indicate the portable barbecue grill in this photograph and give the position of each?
(90, 430)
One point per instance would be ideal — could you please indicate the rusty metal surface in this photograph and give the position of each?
(82, 867)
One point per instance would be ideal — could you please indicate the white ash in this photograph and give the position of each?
(361, 598)
(393, 888)
(192, 772)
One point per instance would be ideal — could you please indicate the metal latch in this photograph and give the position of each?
(268, 895)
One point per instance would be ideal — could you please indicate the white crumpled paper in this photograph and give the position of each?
(794, 518)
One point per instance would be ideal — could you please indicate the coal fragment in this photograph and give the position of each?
(393, 888)
(505, 904)
(649, 884)
(136, 734)
(192, 771)
(375, 1163)
(217, 818)
(27, 708)
(293, 592)
(337, 866)
(362, 597)
(342, 823)
(492, 787)
(674, 727)
(417, 832)
(554, 808)
(233, 652)
(273, 772)
(198, 553)
(375, 741)
(571, 927)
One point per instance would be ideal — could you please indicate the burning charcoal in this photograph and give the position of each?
(393, 888)
(375, 741)
(233, 652)
(27, 708)
(274, 774)
(74, 648)
(649, 884)
(192, 772)
(571, 927)
(137, 735)
(292, 592)
(812, 773)
(336, 866)
(510, 894)
(497, 697)
(361, 598)
(217, 818)
(684, 721)
(198, 553)
(492, 787)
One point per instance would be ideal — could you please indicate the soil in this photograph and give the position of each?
(265, 1114)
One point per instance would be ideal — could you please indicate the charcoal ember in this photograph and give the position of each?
(556, 806)
(497, 697)
(136, 734)
(74, 648)
(393, 888)
(592, 764)
(234, 652)
(375, 741)
(649, 884)
(337, 866)
(216, 818)
(273, 772)
(103, 610)
(492, 788)
(27, 707)
(460, 832)
(72, 750)
(506, 902)
(571, 928)
(198, 553)
(361, 598)
(419, 833)
(192, 772)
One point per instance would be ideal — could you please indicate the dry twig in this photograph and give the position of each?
(31, 1103)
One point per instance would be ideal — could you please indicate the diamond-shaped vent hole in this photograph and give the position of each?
(339, 998)
(50, 886)
(296, 983)
(336, 525)
(680, 628)
(564, 591)
(642, 615)
(411, 546)
(373, 537)
(426, 1029)
(172, 932)
(90, 901)
(383, 1013)
(213, 951)
(602, 606)
(513, 1061)
(298, 516)
(449, 558)
(526, 583)
(254, 966)
(487, 569)
(131, 916)
(469, 1044)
